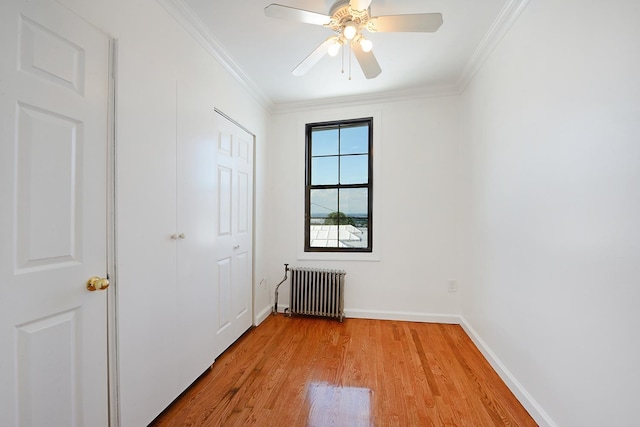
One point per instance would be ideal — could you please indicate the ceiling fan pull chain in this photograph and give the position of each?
(343, 49)
(350, 55)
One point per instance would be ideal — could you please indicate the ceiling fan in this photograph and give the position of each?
(348, 18)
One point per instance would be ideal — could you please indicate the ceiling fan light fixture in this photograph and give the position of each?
(350, 30)
(334, 48)
(366, 45)
(347, 19)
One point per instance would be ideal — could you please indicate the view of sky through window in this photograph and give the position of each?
(340, 156)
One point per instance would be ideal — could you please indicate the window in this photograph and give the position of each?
(338, 187)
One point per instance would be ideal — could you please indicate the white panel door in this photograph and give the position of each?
(234, 250)
(53, 223)
(196, 210)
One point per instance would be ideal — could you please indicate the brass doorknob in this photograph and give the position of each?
(97, 284)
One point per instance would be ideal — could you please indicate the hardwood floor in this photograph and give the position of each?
(319, 372)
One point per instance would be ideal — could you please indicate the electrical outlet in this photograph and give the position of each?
(452, 285)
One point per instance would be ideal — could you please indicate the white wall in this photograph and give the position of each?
(551, 124)
(155, 56)
(167, 89)
(416, 209)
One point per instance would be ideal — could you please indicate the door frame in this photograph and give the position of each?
(111, 261)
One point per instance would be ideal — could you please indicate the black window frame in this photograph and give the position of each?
(309, 127)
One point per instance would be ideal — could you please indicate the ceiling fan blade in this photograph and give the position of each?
(313, 57)
(419, 22)
(293, 14)
(367, 61)
(359, 4)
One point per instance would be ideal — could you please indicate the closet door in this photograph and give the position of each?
(196, 210)
(234, 232)
(167, 297)
(149, 335)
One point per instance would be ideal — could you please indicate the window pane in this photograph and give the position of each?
(323, 202)
(324, 205)
(354, 229)
(354, 140)
(324, 142)
(354, 169)
(354, 202)
(324, 170)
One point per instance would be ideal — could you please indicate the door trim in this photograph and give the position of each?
(112, 312)
(235, 123)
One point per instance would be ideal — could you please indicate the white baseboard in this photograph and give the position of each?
(264, 313)
(406, 316)
(530, 404)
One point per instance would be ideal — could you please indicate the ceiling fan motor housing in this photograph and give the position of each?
(341, 14)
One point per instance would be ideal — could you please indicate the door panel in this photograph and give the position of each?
(243, 203)
(53, 223)
(55, 336)
(234, 245)
(242, 300)
(50, 56)
(49, 147)
(224, 201)
(224, 294)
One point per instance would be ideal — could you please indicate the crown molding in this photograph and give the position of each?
(371, 98)
(185, 16)
(506, 18)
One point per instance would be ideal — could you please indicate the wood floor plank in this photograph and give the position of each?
(318, 372)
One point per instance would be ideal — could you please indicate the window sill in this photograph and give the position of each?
(339, 256)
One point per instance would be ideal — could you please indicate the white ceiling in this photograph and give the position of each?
(262, 51)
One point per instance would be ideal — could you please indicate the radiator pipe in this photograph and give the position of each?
(275, 305)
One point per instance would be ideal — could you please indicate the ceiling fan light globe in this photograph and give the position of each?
(334, 49)
(366, 45)
(350, 30)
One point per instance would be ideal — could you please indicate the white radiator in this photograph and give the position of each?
(317, 292)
